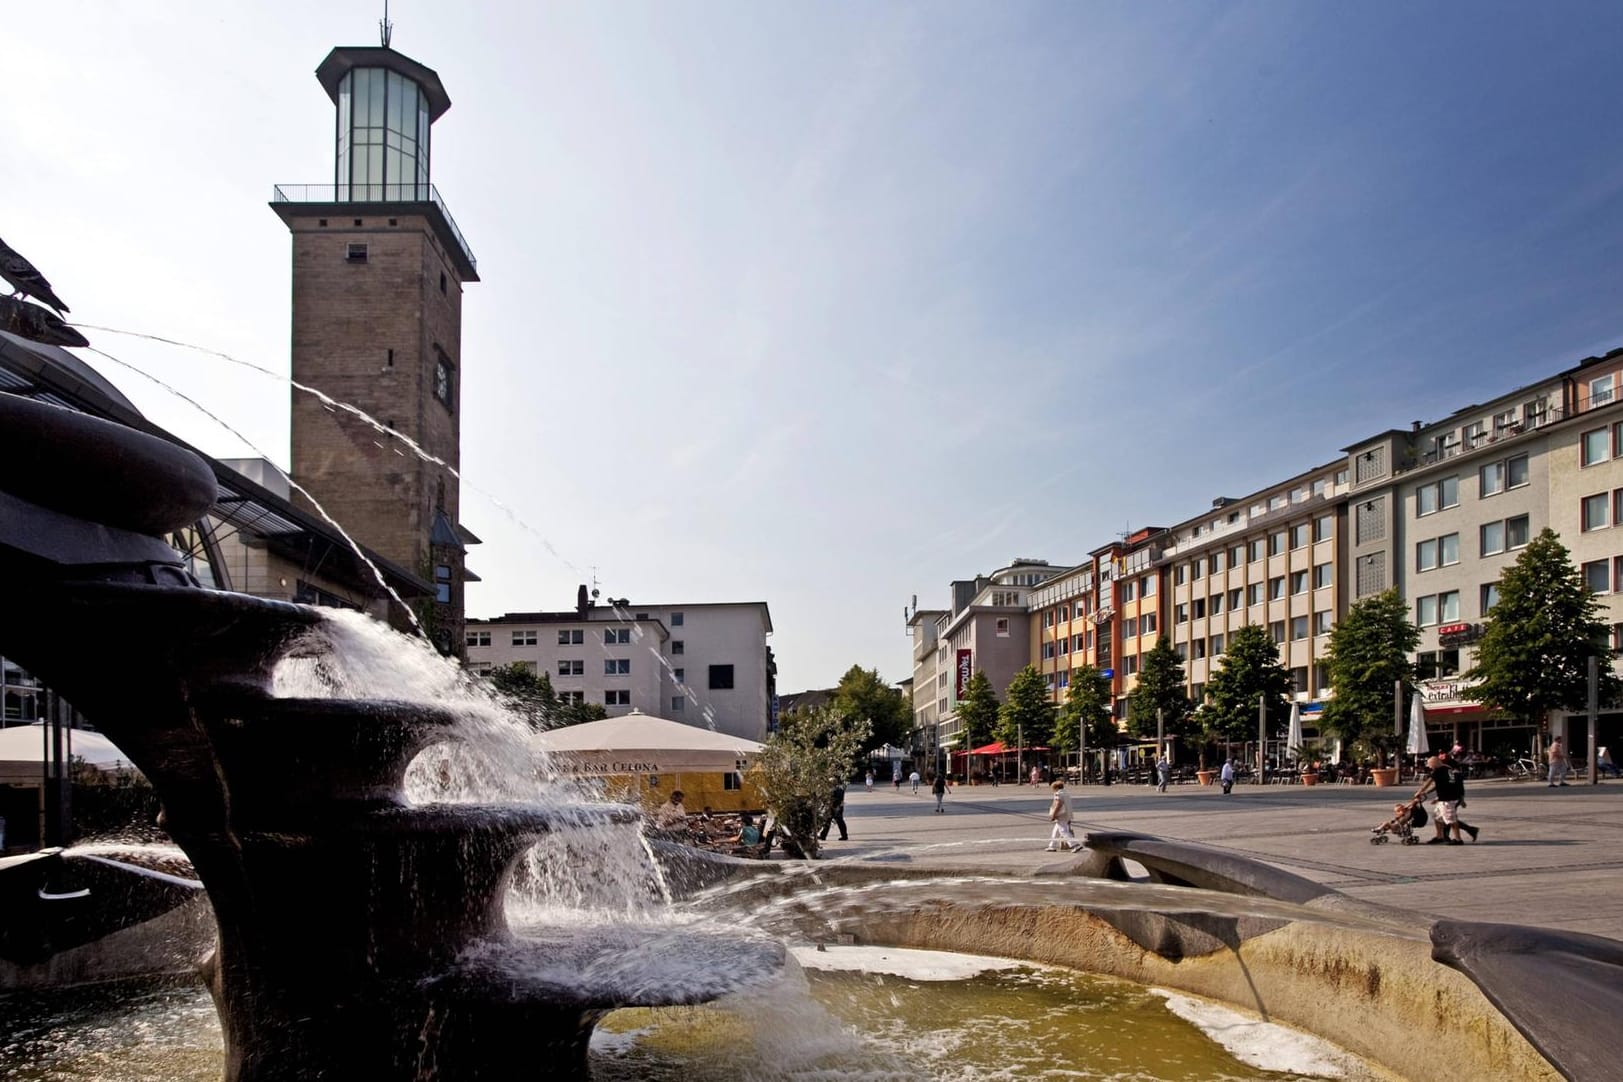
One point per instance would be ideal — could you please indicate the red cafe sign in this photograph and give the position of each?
(965, 670)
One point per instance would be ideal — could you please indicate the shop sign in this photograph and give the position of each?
(1458, 634)
(966, 669)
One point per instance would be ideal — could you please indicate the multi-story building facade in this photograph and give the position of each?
(1269, 558)
(1436, 510)
(1441, 509)
(986, 630)
(705, 664)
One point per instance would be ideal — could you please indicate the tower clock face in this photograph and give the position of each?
(442, 381)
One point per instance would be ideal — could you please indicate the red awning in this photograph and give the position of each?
(998, 748)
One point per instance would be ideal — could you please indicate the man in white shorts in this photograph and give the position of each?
(1059, 813)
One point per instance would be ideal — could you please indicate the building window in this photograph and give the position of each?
(679, 703)
(1180, 614)
(1236, 598)
(677, 647)
(1490, 596)
(681, 675)
(1128, 592)
(721, 677)
(571, 637)
(442, 378)
(1298, 582)
(1426, 610)
(1253, 594)
(1146, 586)
(572, 667)
(1438, 608)
(1597, 576)
(616, 636)
(1516, 532)
(1276, 543)
(1323, 575)
(1491, 479)
(616, 666)
(617, 697)
(1217, 645)
(356, 253)
(1182, 650)
(1323, 621)
(1130, 665)
(1600, 391)
(676, 619)
(1276, 631)
(1299, 534)
(1254, 550)
(1237, 556)
(1437, 496)
(1493, 538)
(1298, 628)
(1597, 446)
(442, 583)
(1437, 552)
(1596, 512)
(1129, 628)
(1323, 527)
(524, 638)
(1276, 588)
(1299, 679)
(1199, 649)
(1436, 664)
(1002, 627)
(1180, 574)
(1197, 608)
(478, 638)
(1215, 605)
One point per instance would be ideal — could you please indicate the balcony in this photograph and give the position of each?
(380, 199)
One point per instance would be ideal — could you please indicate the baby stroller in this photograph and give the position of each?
(1406, 818)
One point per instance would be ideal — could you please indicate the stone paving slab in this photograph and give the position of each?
(1547, 857)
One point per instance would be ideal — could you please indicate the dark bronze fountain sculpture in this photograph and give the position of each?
(355, 931)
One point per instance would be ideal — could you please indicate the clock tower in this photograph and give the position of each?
(378, 271)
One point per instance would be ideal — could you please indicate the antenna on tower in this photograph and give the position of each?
(385, 27)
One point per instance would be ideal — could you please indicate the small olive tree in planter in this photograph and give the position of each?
(812, 751)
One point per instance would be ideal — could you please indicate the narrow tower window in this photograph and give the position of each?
(357, 253)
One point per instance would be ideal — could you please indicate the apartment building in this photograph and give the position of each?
(1269, 558)
(1440, 510)
(705, 664)
(1064, 634)
(986, 630)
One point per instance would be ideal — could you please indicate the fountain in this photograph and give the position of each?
(360, 935)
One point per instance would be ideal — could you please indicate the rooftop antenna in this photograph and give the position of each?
(385, 27)
(595, 590)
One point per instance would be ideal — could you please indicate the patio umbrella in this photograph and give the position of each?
(1293, 738)
(1417, 727)
(1335, 756)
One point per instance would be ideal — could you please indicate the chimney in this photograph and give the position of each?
(581, 601)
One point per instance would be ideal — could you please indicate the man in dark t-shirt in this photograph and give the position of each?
(1446, 778)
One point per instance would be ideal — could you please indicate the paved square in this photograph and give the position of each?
(1547, 857)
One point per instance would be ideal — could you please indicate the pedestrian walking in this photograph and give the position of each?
(1163, 771)
(1227, 776)
(1059, 813)
(1447, 780)
(836, 812)
(939, 788)
(1559, 764)
(914, 778)
(870, 781)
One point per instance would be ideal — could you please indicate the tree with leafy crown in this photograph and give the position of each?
(531, 696)
(1534, 654)
(1088, 698)
(1250, 667)
(977, 712)
(1026, 711)
(811, 752)
(863, 693)
(1160, 687)
(1368, 655)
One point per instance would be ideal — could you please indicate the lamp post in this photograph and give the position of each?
(1262, 739)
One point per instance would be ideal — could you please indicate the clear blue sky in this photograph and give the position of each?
(829, 304)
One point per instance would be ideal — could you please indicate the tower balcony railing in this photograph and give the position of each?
(373, 193)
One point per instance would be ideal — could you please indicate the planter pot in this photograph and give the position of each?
(1310, 779)
(1205, 776)
(1384, 776)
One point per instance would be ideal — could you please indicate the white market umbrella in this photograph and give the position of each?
(638, 743)
(1417, 727)
(22, 750)
(1293, 738)
(1335, 756)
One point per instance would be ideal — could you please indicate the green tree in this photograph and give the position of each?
(862, 693)
(1160, 687)
(1369, 653)
(812, 751)
(1026, 711)
(526, 693)
(532, 697)
(1250, 667)
(1089, 698)
(1534, 654)
(977, 712)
